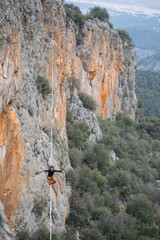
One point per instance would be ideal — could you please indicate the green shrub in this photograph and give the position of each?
(141, 208)
(97, 212)
(111, 202)
(99, 200)
(82, 179)
(43, 85)
(122, 180)
(86, 180)
(73, 12)
(88, 16)
(92, 234)
(70, 233)
(79, 39)
(39, 206)
(111, 25)
(87, 101)
(152, 126)
(75, 156)
(151, 232)
(156, 145)
(41, 234)
(97, 157)
(124, 35)
(117, 226)
(69, 116)
(101, 181)
(78, 134)
(124, 121)
(80, 209)
(23, 235)
(72, 176)
(100, 13)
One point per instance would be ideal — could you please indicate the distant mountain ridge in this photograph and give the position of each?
(130, 7)
(150, 63)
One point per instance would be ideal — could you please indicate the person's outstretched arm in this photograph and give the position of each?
(58, 171)
(45, 171)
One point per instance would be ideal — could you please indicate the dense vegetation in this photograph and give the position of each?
(115, 199)
(147, 90)
(41, 234)
(78, 18)
(87, 101)
(73, 12)
(124, 35)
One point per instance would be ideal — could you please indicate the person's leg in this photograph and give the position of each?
(53, 180)
(50, 181)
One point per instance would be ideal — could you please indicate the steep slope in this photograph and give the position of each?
(37, 48)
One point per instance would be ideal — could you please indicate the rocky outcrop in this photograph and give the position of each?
(81, 114)
(105, 68)
(36, 48)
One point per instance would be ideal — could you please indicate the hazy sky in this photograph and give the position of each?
(148, 7)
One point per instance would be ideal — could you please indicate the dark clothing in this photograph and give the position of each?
(50, 173)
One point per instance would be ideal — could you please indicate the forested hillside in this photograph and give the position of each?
(148, 90)
(114, 191)
(150, 63)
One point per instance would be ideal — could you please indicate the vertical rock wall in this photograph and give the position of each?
(34, 42)
(106, 70)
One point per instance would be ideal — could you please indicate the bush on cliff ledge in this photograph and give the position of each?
(74, 13)
(124, 35)
(100, 13)
(43, 85)
(87, 101)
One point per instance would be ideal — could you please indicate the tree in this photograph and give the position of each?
(97, 157)
(73, 12)
(100, 13)
(88, 101)
(92, 234)
(124, 35)
(141, 208)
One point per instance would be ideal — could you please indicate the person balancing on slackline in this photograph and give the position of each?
(50, 177)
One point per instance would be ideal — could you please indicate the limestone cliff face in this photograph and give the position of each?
(10, 67)
(30, 50)
(106, 70)
(35, 44)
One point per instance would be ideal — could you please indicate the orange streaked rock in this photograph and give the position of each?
(12, 183)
